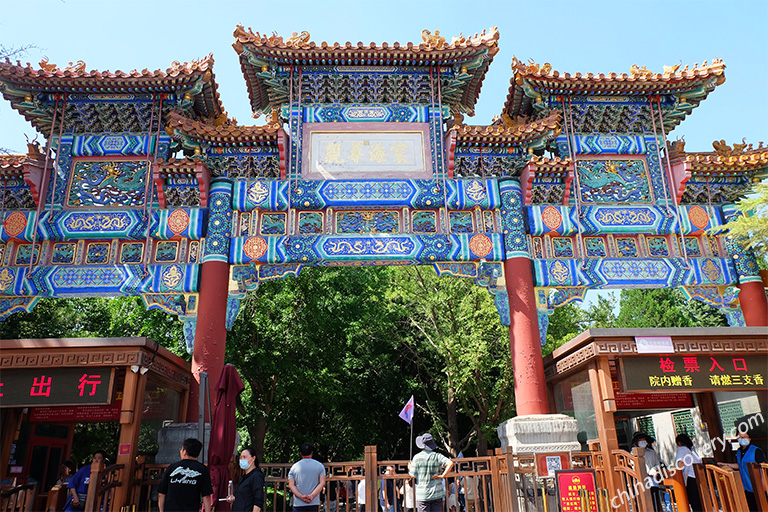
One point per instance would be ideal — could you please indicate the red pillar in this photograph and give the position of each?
(524, 340)
(211, 329)
(754, 304)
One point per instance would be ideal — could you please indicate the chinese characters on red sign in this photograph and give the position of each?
(56, 386)
(695, 372)
(571, 485)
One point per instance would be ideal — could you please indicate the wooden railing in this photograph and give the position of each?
(502, 482)
(758, 473)
(18, 498)
(101, 496)
(720, 488)
(632, 492)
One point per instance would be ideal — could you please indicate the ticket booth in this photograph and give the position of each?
(699, 381)
(123, 387)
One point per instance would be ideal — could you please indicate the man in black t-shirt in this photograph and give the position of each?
(185, 482)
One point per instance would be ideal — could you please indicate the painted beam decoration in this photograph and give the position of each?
(365, 160)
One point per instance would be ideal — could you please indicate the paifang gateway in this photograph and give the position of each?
(146, 187)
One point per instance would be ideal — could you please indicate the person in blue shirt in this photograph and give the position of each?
(78, 486)
(746, 454)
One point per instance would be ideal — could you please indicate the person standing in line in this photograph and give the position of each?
(470, 490)
(361, 495)
(306, 480)
(426, 468)
(685, 458)
(643, 440)
(78, 485)
(407, 492)
(249, 496)
(186, 483)
(746, 454)
(388, 493)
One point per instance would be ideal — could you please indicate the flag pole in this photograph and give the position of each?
(411, 445)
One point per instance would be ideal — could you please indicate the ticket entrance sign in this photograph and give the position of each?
(46, 387)
(693, 372)
(571, 485)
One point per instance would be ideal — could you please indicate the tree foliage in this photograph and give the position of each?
(461, 351)
(752, 226)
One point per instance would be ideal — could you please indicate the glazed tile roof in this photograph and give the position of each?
(221, 134)
(739, 159)
(14, 164)
(533, 84)
(514, 132)
(557, 164)
(258, 53)
(191, 86)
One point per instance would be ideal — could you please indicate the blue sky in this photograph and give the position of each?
(574, 36)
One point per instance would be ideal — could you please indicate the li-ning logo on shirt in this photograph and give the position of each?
(187, 476)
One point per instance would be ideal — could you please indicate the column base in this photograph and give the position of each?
(538, 433)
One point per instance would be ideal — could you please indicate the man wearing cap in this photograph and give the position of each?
(426, 469)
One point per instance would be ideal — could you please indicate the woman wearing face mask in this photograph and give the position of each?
(685, 458)
(643, 440)
(249, 496)
(746, 453)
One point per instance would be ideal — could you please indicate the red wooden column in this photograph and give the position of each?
(754, 304)
(211, 331)
(524, 339)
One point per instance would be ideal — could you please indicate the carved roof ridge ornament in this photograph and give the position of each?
(532, 69)
(302, 41)
(78, 69)
(231, 131)
(522, 127)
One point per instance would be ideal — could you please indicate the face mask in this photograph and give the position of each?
(642, 444)
(244, 464)
(744, 442)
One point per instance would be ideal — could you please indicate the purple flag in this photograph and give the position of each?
(407, 413)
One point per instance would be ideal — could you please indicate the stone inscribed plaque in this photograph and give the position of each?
(398, 152)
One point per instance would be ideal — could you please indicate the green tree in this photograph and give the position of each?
(752, 227)
(462, 354)
(317, 355)
(665, 307)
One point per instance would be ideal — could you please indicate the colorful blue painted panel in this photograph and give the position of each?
(657, 246)
(626, 246)
(24, 252)
(424, 222)
(692, 247)
(372, 249)
(595, 247)
(562, 247)
(461, 222)
(273, 224)
(131, 252)
(613, 181)
(166, 252)
(368, 222)
(97, 253)
(310, 223)
(654, 220)
(63, 254)
(107, 184)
